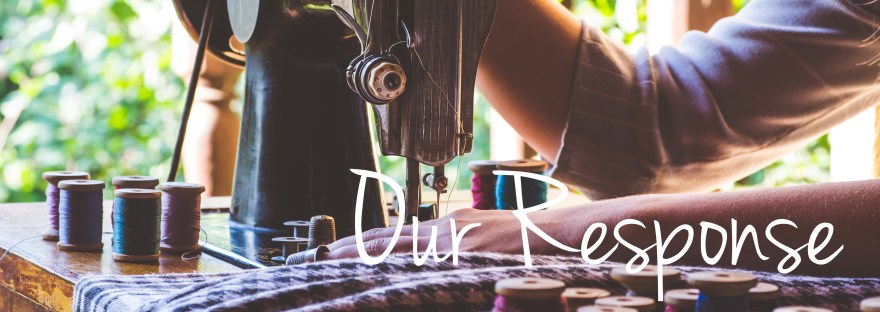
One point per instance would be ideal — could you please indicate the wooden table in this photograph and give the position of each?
(35, 276)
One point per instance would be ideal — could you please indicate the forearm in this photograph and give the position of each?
(527, 66)
(850, 207)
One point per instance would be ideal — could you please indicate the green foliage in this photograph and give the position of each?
(84, 85)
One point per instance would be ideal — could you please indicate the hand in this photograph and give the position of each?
(499, 231)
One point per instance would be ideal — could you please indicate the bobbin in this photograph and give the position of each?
(483, 167)
(726, 284)
(180, 188)
(308, 256)
(595, 308)
(54, 177)
(81, 186)
(289, 246)
(801, 309)
(523, 165)
(135, 182)
(682, 300)
(132, 193)
(529, 288)
(300, 228)
(642, 304)
(644, 282)
(762, 297)
(870, 305)
(579, 297)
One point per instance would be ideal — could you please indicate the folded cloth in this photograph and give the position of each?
(399, 285)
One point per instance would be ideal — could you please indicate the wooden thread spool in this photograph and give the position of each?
(722, 291)
(483, 183)
(642, 304)
(528, 294)
(134, 182)
(870, 305)
(762, 298)
(181, 217)
(595, 308)
(80, 215)
(534, 192)
(52, 198)
(644, 283)
(575, 298)
(136, 225)
(801, 309)
(681, 300)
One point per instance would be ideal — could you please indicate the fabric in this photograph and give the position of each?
(398, 285)
(724, 104)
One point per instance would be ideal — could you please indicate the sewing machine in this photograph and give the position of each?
(313, 68)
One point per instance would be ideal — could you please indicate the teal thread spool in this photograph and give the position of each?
(534, 192)
(136, 225)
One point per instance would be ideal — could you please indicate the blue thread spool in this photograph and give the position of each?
(722, 291)
(136, 225)
(528, 294)
(595, 308)
(762, 298)
(534, 192)
(80, 215)
(681, 300)
(53, 194)
(641, 304)
(644, 283)
(575, 298)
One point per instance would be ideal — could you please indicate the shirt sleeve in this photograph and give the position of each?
(726, 103)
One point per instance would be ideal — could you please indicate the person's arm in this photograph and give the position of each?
(724, 104)
(850, 207)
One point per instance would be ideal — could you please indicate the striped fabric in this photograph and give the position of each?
(398, 285)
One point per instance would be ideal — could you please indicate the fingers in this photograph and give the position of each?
(376, 247)
(373, 234)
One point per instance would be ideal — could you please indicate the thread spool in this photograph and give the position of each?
(575, 298)
(644, 282)
(722, 291)
(136, 225)
(641, 304)
(322, 231)
(300, 228)
(181, 217)
(131, 182)
(870, 305)
(801, 309)
(681, 300)
(52, 198)
(289, 246)
(80, 215)
(762, 297)
(528, 294)
(595, 308)
(534, 192)
(483, 183)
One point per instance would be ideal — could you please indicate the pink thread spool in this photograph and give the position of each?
(578, 297)
(529, 294)
(52, 198)
(681, 300)
(483, 183)
(181, 217)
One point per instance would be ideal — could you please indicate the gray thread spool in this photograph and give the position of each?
(300, 228)
(289, 246)
(322, 231)
(312, 255)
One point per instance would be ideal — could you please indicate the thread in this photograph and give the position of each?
(181, 215)
(483, 183)
(80, 215)
(714, 303)
(505, 304)
(52, 198)
(130, 182)
(534, 192)
(136, 225)
(529, 294)
(681, 300)
(722, 291)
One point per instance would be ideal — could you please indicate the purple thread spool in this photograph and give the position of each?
(52, 198)
(722, 291)
(681, 300)
(132, 182)
(575, 298)
(762, 298)
(181, 217)
(483, 183)
(528, 294)
(641, 304)
(80, 215)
